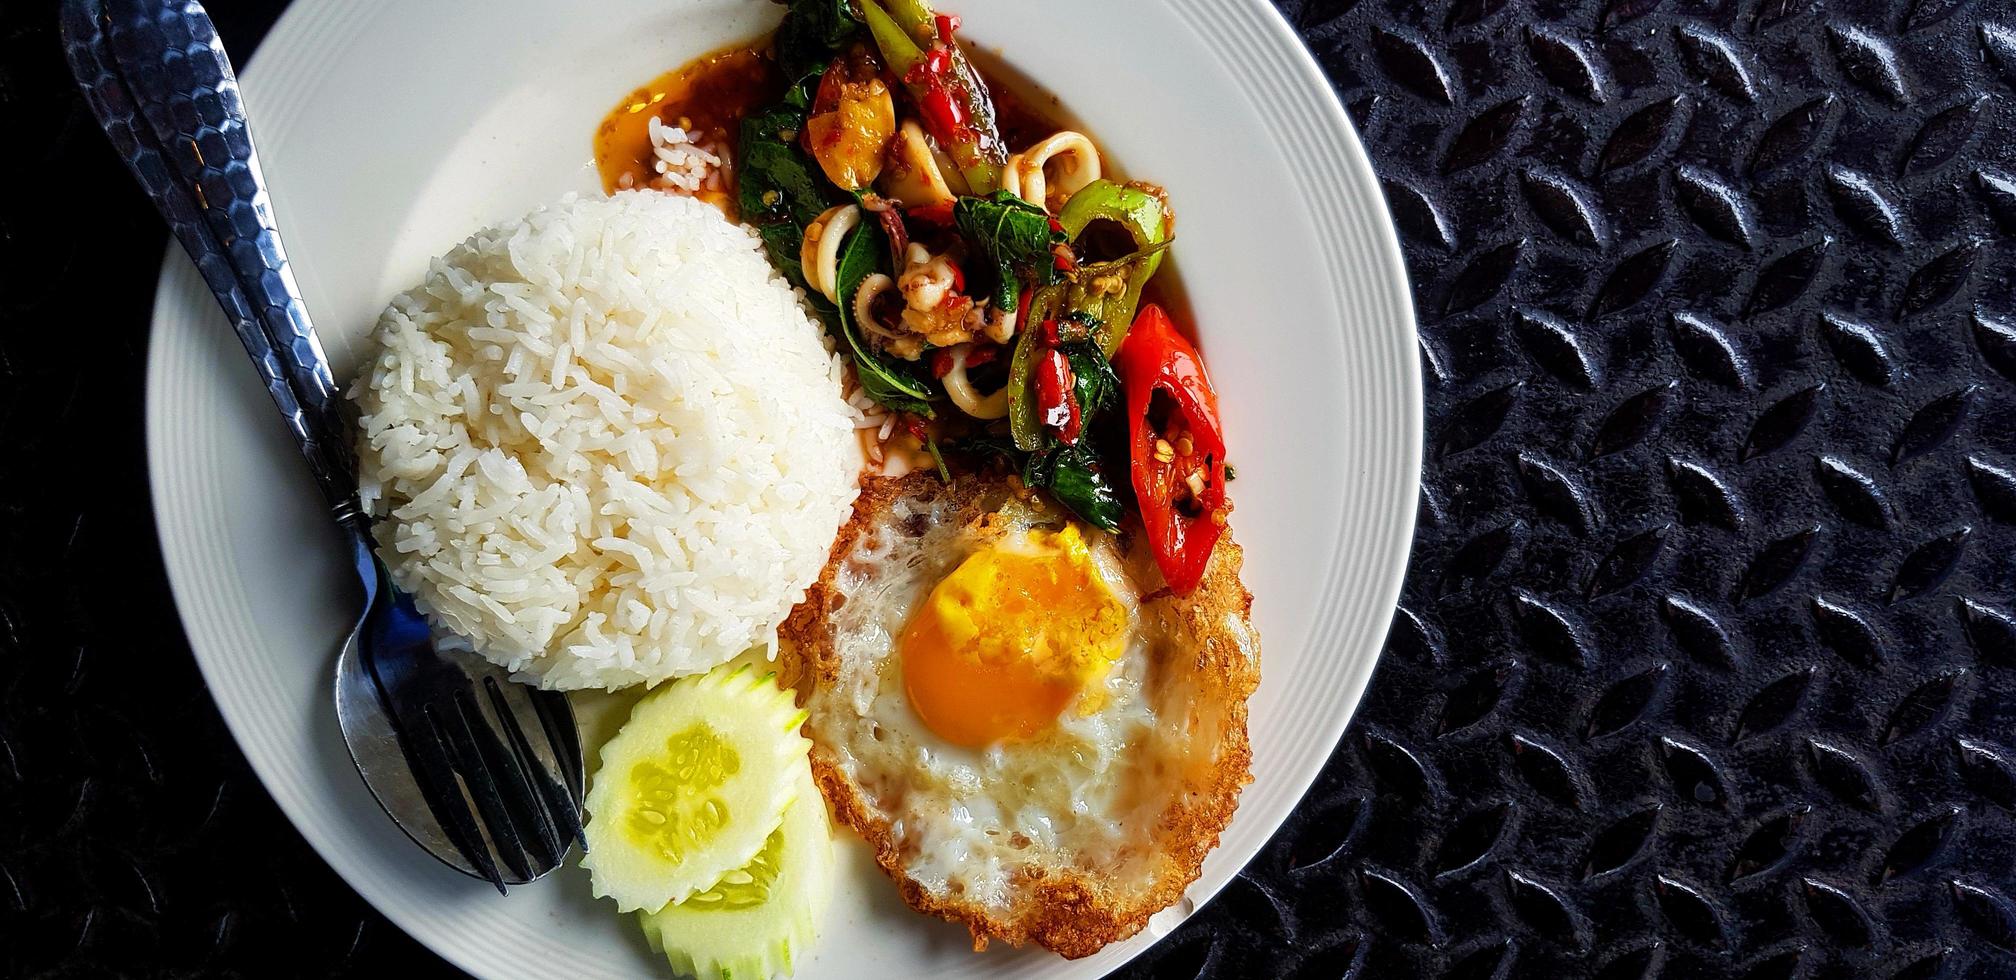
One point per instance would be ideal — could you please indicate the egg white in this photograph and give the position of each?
(980, 828)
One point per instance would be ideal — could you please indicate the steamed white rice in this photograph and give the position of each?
(610, 445)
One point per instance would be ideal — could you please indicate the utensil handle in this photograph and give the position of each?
(156, 75)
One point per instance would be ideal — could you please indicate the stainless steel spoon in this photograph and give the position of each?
(483, 773)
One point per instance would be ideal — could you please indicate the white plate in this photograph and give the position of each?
(390, 131)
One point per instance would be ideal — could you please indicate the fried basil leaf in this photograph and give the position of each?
(779, 188)
(812, 31)
(1074, 476)
(1094, 383)
(1016, 238)
(885, 379)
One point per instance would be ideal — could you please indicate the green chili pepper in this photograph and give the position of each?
(1142, 215)
(951, 99)
(896, 45)
(1022, 422)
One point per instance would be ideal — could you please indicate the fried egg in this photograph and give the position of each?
(1036, 738)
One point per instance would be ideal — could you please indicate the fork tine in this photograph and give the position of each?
(465, 746)
(514, 774)
(556, 718)
(435, 775)
(541, 792)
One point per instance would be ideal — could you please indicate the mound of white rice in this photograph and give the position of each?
(610, 445)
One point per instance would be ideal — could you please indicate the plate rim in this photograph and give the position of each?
(1387, 271)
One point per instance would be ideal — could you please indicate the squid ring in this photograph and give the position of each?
(864, 300)
(961, 391)
(1026, 176)
(820, 253)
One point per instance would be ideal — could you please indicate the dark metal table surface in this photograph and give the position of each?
(1706, 664)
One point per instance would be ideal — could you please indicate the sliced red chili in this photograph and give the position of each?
(1183, 524)
(943, 112)
(941, 362)
(1055, 405)
(947, 23)
(980, 354)
(934, 214)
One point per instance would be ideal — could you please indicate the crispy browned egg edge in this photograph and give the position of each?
(1072, 914)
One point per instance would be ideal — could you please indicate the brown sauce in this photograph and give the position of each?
(708, 95)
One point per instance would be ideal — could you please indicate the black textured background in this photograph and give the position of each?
(1706, 664)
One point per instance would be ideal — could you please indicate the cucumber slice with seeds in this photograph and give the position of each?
(757, 918)
(692, 787)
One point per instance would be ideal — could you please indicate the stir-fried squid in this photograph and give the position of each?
(820, 255)
(1028, 174)
(963, 394)
(917, 173)
(980, 268)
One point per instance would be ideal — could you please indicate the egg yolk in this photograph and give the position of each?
(1004, 643)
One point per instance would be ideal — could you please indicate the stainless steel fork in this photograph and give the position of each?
(485, 774)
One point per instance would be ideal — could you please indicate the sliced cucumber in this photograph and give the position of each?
(692, 787)
(752, 922)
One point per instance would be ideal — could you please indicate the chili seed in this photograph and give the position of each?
(1196, 483)
(1183, 445)
(1163, 452)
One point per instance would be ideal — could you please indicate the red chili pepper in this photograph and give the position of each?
(1155, 358)
(826, 97)
(947, 23)
(1056, 226)
(958, 276)
(1055, 406)
(981, 354)
(916, 427)
(941, 362)
(935, 214)
(1049, 335)
(943, 112)
(937, 61)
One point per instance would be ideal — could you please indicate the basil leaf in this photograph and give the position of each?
(1016, 238)
(1073, 475)
(812, 31)
(1094, 383)
(884, 379)
(779, 189)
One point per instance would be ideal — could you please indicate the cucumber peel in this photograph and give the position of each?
(692, 787)
(757, 918)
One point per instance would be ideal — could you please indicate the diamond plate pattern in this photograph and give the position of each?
(1706, 664)
(1700, 667)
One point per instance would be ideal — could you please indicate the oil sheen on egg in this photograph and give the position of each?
(1035, 738)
